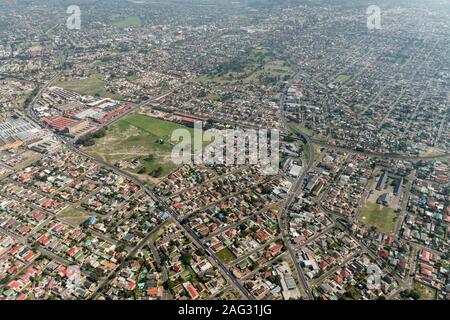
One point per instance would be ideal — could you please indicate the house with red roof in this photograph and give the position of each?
(193, 293)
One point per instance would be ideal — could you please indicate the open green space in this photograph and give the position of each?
(375, 215)
(230, 295)
(131, 21)
(305, 130)
(258, 65)
(293, 127)
(213, 97)
(342, 78)
(92, 85)
(73, 215)
(425, 292)
(21, 100)
(307, 152)
(142, 140)
(226, 255)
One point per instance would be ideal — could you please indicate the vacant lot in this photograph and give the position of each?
(74, 216)
(142, 140)
(375, 215)
(425, 292)
(27, 158)
(226, 255)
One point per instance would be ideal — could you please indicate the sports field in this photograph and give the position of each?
(342, 78)
(131, 21)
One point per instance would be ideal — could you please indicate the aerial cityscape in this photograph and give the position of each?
(224, 150)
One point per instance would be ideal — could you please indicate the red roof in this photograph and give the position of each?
(153, 292)
(193, 292)
(425, 256)
(276, 249)
(190, 116)
(190, 120)
(21, 297)
(14, 284)
(14, 250)
(43, 240)
(29, 256)
(60, 123)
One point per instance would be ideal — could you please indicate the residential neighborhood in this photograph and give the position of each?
(109, 189)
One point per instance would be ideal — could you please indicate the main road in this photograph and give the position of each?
(295, 190)
(219, 264)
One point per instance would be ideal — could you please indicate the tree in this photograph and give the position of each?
(186, 257)
(157, 172)
(142, 170)
(411, 294)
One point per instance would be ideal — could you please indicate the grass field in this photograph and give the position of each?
(213, 97)
(342, 78)
(138, 137)
(295, 126)
(226, 255)
(425, 292)
(305, 130)
(93, 85)
(375, 215)
(74, 216)
(307, 152)
(131, 21)
(271, 69)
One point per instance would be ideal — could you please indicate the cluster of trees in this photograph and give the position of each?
(155, 173)
(89, 139)
(30, 97)
(410, 294)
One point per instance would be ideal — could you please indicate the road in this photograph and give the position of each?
(283, 217)
(393, 156)
(132, 253)
(404, 204)
(295, 190)
(224, 270)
